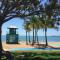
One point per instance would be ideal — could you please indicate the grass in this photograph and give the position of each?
(37, 55)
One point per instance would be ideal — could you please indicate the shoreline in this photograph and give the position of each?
(7, 47)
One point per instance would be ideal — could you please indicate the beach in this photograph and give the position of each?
(7, 47)
(20, 45)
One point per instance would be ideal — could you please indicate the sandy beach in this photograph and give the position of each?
(20, 45)
(23, 45)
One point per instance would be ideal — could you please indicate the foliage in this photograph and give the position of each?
(27, 26)
(47, 55)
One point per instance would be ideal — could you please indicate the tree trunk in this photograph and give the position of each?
(46, 36)
(37, 38)
(29, 37)
(26, 38)
(33, 36)
(1, 48)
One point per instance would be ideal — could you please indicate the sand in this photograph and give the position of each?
(20, 45)
(7, 47)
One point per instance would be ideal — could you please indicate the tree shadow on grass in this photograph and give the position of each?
(7, 54)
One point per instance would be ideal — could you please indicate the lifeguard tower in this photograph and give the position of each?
(12, 36)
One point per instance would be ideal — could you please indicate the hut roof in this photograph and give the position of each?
(12, 26)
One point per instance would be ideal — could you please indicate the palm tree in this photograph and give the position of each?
(47, 21)
(45, 24)
(35, 26)
(28, 29)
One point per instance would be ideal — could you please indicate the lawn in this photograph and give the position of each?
(36, 55)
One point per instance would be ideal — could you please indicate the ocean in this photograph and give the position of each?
(40, 38)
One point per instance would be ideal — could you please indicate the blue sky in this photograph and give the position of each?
(19, 23)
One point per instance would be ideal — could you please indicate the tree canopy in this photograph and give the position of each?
(16, 8)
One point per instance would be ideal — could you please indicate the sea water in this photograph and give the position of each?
(40, 38)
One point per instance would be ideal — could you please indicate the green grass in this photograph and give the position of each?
(34, 55)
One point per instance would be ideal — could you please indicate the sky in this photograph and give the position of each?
(18, 22)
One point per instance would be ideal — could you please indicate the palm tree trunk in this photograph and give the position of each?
(26, 38)
(29, 38)
(33, 36)
(37, 38)
(46, 36)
